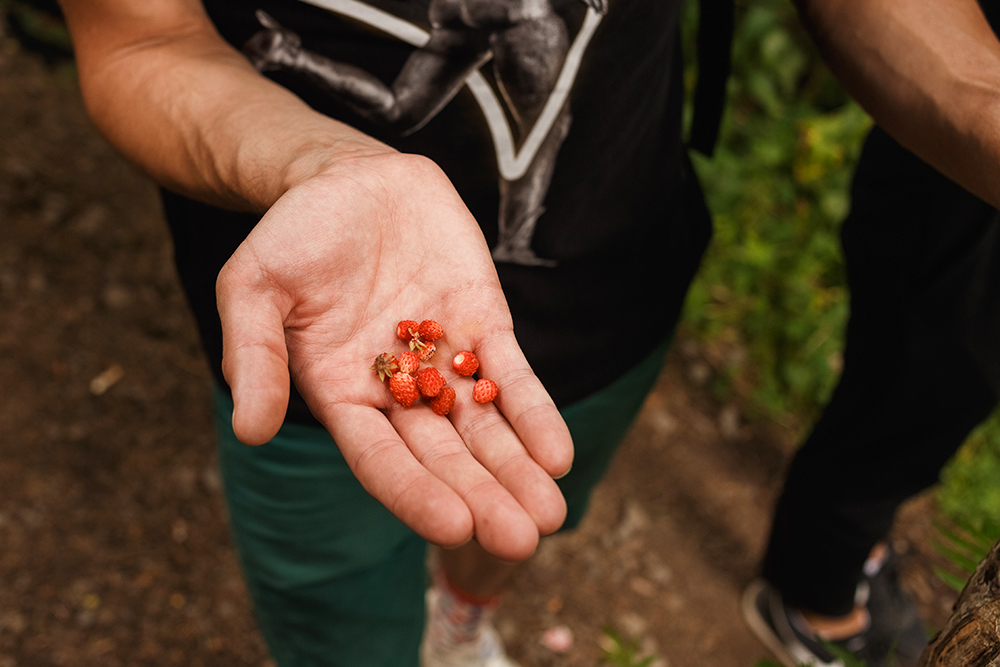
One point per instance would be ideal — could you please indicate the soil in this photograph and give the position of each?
(113, 541)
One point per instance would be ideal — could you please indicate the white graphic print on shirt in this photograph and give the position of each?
(535, 65)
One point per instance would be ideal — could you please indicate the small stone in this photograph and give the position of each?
(13, 622)
(558, 639)
(699, 373)
(633, 624)
(179, 531)
(634, 522)
(52, 208)
(211, 480)
(643, 587)
(116, 297)
(663, 423)
(729, 422)
(90, 221)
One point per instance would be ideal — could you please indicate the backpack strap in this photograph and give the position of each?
(716, 24)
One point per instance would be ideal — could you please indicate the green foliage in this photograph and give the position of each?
(845, 656)
(772, 283)
(621, 652)
(965, 543)
(971, 490)
(970, 499)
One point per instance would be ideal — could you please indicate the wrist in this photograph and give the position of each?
(319, 154)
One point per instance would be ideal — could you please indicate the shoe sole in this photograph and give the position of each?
(767, 636)
(760, 627)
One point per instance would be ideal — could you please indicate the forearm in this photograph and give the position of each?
(193, 113)
(927, 71)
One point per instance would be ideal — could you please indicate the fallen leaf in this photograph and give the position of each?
(107, 379)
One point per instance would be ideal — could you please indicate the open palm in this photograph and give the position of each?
(319, 287)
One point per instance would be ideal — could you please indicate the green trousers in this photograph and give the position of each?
(338, 581)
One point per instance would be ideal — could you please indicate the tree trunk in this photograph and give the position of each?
(971, 637)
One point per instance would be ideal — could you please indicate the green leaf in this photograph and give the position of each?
(952, 580)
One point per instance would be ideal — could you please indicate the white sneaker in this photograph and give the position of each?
(485, 651)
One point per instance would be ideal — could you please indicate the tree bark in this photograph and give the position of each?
(971, 637)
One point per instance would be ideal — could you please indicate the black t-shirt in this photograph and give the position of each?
(594, 218)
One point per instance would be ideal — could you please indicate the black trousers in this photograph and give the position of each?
(921, 369)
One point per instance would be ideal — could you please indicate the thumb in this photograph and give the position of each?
(254, 358)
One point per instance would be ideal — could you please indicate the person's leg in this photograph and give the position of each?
(910, 392)
(916, 247)
(336, 580)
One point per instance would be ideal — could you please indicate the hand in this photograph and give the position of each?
(318, 288)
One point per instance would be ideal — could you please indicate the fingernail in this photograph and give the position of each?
(568, 470)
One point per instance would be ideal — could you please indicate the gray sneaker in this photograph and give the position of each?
(895, 636)
(785, 633)
(486, 650)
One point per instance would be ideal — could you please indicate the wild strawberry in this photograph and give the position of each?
(430, 381)
(484, 391)
(465, 363)
(443, 402)
(406, 330)
(430, 331)
(426, 351)
(404, 388)
(408, 362)
(384, 366)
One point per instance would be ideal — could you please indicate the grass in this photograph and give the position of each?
(619, 651)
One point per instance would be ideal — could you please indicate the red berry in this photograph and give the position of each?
(443, 402)
(406, 329)
(430, 330)
(408, 362)
(430, 381)
(426, 351)
(465, 363)
(484, 391)
(404, 388)
(384, 366)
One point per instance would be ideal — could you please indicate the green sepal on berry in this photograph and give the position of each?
(406, 329)
(384, 366)
(427, 351)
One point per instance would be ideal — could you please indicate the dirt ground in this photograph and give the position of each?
(113, 541)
